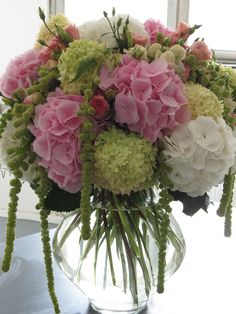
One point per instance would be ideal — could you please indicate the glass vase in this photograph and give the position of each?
(117, 268)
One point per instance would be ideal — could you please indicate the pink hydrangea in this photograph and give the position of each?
(56, 128)
(150, 98)
(21, 72)
(154, 27)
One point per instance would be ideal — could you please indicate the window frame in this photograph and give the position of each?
(177, 11)
(182, 13)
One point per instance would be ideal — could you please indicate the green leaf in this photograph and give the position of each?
(84, 66)
(65, 37)
(107, 235)
(61, 201)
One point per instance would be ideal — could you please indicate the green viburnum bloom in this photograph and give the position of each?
(44, 34)
(124, 162)
(231, 74)
(80, 65)
(202, 101)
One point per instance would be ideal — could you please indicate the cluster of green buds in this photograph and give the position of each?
(138, 52)
(212, 76)
(87, 137)
(209, 75)
(5, 118)
(47, 82)
(121, 32)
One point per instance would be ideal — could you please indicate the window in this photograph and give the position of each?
(218, 25)
(20, 22)
(80, 11)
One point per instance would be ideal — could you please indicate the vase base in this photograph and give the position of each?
(117, 311)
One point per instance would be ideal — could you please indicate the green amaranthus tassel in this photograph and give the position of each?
(47, 258)
(86, 136)
(11, 223)
(228, 214)
(226, 196)
(162, 253)
(225, 207)
(163, 205)
(5, 117)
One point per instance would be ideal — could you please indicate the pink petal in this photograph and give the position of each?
(125, 109)
(141, 88)
(107, 77)
(42, 146)
(154, 108)
(142, 117)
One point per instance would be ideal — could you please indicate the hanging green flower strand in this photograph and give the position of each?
(225, 207)
(11, 223)
(165, 209)
(47, 258)
(43, 186)
(87, 156)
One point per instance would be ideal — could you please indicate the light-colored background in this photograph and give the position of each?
(206, 282)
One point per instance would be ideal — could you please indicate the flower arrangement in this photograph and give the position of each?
(105, 112)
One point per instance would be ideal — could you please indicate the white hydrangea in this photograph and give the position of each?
(199, 154)
(95, 30)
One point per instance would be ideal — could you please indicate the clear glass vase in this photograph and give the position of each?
(117, 267)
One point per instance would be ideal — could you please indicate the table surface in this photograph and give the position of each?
(205, 283)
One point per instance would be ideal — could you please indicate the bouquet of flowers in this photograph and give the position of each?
(100, 115)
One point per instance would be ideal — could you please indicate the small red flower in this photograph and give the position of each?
(101, 106)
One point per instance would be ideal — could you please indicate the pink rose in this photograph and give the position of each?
(56, 45)
(72, 30)
(56, 126)
(182, 32)
(21, 72)
(201, 51)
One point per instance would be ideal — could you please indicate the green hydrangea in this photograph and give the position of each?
(202, 101)
(124, 162)
(80, 65)
(44, 34)
(230, 76)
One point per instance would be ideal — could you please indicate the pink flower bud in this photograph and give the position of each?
(140, 40)
(30, 99)
(201, 50)
(72, 30)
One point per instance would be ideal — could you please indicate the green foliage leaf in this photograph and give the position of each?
(84, 65)
(61, 201)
